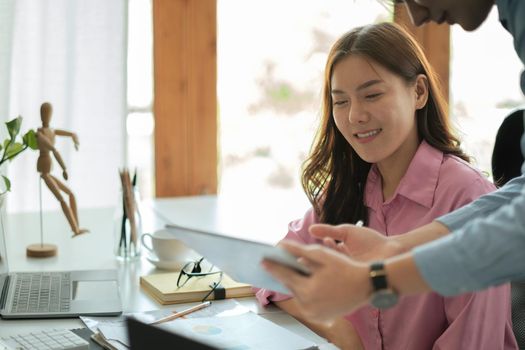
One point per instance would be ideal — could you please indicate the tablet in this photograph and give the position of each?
(239, 258)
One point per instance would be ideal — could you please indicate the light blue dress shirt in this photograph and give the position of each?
(487, 243)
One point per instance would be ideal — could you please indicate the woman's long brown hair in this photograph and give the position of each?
(334, 176)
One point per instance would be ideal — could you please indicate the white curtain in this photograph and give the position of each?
(71, 53)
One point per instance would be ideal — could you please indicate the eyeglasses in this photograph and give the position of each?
(194, 269)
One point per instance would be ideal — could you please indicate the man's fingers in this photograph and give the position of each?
(333, 244)
(322, 230)
(313, 252)
(330, 242)
(308, 263)
(341, 248)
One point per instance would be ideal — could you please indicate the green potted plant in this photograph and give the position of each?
(11, 148)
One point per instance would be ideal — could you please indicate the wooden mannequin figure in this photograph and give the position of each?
(46, 144)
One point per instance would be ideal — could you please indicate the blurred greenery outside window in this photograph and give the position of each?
(271, 58)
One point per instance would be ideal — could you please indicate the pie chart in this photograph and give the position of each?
(206, 329)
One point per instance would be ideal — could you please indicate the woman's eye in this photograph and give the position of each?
(372, 96)
(339, 103)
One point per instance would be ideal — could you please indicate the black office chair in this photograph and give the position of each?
(506, 165)
(506, 157)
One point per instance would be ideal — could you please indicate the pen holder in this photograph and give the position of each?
(128, 227)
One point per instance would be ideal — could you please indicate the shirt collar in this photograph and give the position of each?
(418, 184)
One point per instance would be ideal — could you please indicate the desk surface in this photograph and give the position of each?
(95, 251)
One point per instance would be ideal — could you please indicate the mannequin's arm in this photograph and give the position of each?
(73, 136)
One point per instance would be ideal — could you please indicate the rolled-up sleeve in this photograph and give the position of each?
(487, 251)
(298, 232)
(484, 205)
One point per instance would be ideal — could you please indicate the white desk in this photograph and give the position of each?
(95, 251)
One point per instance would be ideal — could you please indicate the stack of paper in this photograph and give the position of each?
(225, 324)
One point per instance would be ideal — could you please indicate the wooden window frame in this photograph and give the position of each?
(185, 97)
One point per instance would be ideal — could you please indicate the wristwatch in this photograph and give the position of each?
(383, 296)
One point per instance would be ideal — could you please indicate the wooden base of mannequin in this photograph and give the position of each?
(38, 250)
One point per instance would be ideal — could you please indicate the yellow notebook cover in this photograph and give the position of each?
(163, 287)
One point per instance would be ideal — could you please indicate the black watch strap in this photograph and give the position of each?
(378, 276)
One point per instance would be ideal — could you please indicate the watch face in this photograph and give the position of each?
(384, 299)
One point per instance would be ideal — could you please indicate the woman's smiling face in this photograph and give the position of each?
(375, 110)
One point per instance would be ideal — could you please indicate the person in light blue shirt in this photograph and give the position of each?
(473, 248)
(488, 244)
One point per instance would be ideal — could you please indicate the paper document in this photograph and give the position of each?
(244, 331)
(225, 324)
(113, 329)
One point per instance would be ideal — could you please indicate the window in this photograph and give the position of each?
(270, 73)
(484, 85)
(140, 121)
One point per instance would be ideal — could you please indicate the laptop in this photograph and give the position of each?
(57, 294)
(142, 337)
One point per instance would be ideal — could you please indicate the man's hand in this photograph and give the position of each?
(360, 243)
(64, 174)
(336, 286)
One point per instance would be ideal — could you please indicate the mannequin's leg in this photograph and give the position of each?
(52, 184)
(72, 200)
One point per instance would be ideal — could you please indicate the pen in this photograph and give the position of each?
(182, 313)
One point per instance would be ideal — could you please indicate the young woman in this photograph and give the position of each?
(385, 154)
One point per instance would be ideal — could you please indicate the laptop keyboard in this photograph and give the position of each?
(58, 339)
(41, 292)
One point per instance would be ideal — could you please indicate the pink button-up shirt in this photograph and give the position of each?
(433, 185)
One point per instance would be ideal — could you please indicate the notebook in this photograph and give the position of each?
(57, 294)
(240, 258)
(163, 287)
